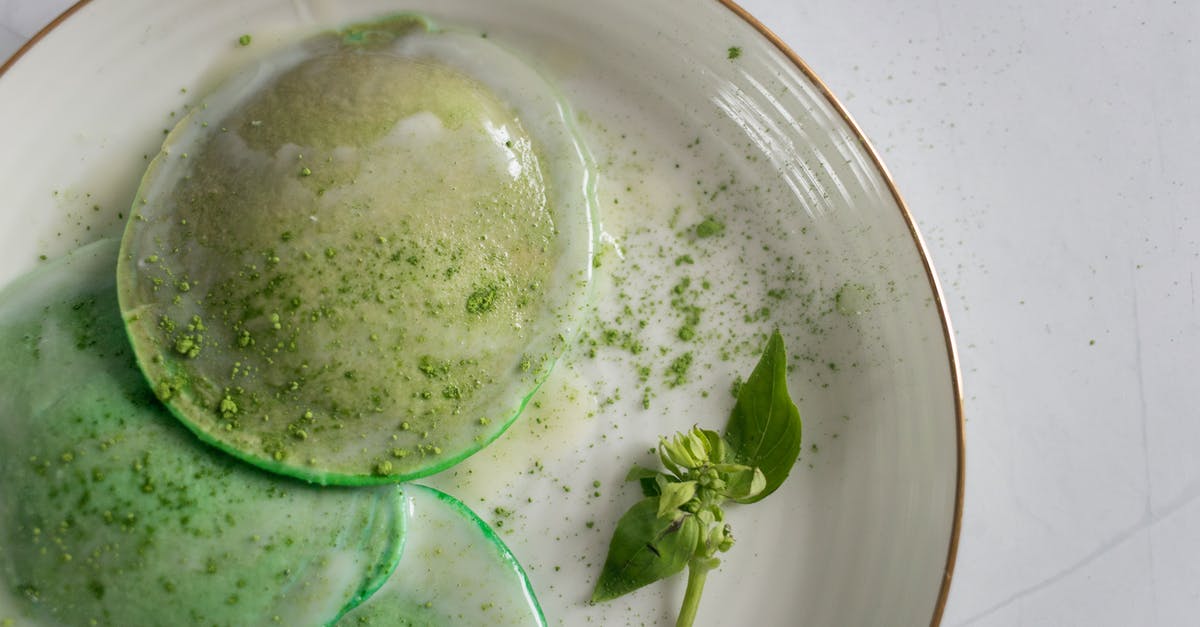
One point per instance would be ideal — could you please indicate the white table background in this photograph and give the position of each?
(1050, 153)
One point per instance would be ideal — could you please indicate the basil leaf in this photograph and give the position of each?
(744, 483)
(674, 455)
(637, 473)
(646, 478)
(674, 495)
(764, 428)
(667, 455)
(727, 469)
(716, 446)
(645, 549)
(714, 538)
(696, 445)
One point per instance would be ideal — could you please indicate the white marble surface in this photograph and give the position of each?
(1047, 150)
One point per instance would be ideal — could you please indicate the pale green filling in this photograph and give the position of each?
(357, 274)
(114, 514)
(455, 571)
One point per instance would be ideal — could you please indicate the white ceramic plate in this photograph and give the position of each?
(693, 111)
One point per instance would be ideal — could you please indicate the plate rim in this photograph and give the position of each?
(931, 274)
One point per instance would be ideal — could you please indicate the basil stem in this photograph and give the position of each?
(697, 573)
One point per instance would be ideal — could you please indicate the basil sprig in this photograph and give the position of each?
(680, 521)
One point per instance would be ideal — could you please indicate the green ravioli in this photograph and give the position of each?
(360, 258)
(112, 513)
(455, 571)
